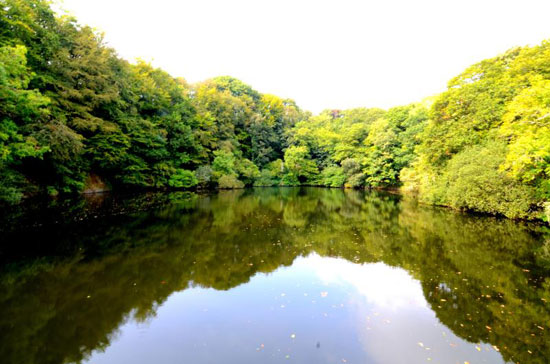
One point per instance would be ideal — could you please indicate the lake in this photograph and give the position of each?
(270, 275)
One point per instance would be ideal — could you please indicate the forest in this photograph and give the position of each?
(76, 117)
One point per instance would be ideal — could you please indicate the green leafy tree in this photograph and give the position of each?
(224, 163)
(298, 165)
(19, 107)
(229, 182)
(183, 178)
(503, 101)
(204, 176)
(332, 176)
(271, 174)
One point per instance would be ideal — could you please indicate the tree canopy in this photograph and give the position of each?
(73, 112)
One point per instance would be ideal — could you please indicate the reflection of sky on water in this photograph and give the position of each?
(319, 310)
(380, 285)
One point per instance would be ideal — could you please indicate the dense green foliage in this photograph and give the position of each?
(70, 108)
(72, 112)
(487, 145)
(354, 148)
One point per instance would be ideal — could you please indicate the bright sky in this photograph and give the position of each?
(323, 54)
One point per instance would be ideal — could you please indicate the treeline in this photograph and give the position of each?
(77, 117)
(486, 146)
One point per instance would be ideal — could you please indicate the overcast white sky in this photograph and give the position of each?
(323, 54)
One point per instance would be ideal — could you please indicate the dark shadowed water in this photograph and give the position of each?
(270, 275)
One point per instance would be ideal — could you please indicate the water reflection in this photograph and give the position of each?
(161, 278)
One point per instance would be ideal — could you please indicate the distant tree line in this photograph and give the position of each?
(75, 117)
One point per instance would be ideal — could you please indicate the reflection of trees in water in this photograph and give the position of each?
(481, 279)
(476, 272)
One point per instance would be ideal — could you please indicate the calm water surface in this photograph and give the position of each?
(270, 276)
